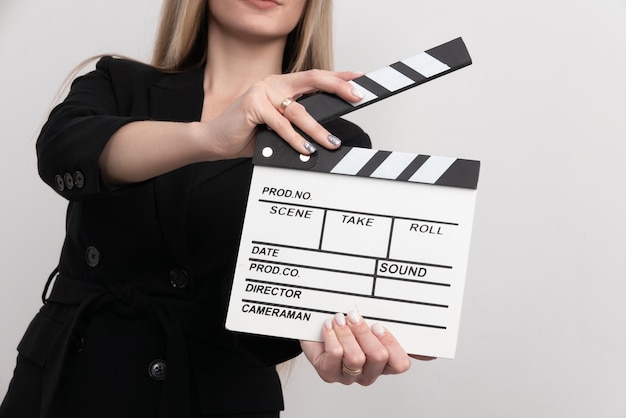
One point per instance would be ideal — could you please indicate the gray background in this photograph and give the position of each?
(542, 331)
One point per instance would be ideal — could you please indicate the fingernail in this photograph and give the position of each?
(354, 317)
(378, 330)
(328, 324)
(358, 93)
(340, 319)
(334, 140)
(310, 147)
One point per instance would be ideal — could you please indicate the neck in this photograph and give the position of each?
(234, 64)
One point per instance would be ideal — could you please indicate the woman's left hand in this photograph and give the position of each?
(352, 352)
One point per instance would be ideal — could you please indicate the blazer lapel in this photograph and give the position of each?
(179, 97)
(176, 97)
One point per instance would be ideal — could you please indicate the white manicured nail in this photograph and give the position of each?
(340, 319)
(354, 317)
(358, 93)
(378, 330)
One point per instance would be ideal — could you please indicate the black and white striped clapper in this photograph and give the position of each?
(272, 151)
(393, 79)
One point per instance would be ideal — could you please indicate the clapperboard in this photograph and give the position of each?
(385, 233)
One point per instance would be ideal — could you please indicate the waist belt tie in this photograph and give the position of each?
(126, 299)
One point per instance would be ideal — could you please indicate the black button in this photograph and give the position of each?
(69, 181)
(179, 278)
(76, 343)
(79, 179)
(157, 369)
(93, 256)
(59, 183)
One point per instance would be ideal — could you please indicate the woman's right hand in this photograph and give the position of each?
(232, 133)
(145, 149)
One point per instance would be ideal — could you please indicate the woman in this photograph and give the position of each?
(155, 163)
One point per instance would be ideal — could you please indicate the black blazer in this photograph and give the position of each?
(134, 325)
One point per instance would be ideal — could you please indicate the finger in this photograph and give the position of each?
(349, 75)
(354, 89)
(376, 353)
(297, 115)
(331, 82)
(282, 126)
(399, 361)
(353, 356)
(325, 356)
(263, 109)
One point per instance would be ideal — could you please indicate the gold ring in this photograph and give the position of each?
(284, 104)
(350, 371)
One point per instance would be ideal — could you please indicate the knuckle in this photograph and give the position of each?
(355, 359)
(379, 356)
(313, 74)
(402, 366)
(405, 366)
(336, 352)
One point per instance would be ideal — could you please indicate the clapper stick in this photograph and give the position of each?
(378, 85)
(393, 79)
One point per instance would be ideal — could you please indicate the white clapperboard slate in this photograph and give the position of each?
(385, 233)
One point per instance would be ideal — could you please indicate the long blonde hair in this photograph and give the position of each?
(181, 40)
(182, 37)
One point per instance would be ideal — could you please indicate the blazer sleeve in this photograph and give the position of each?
(71, 141)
